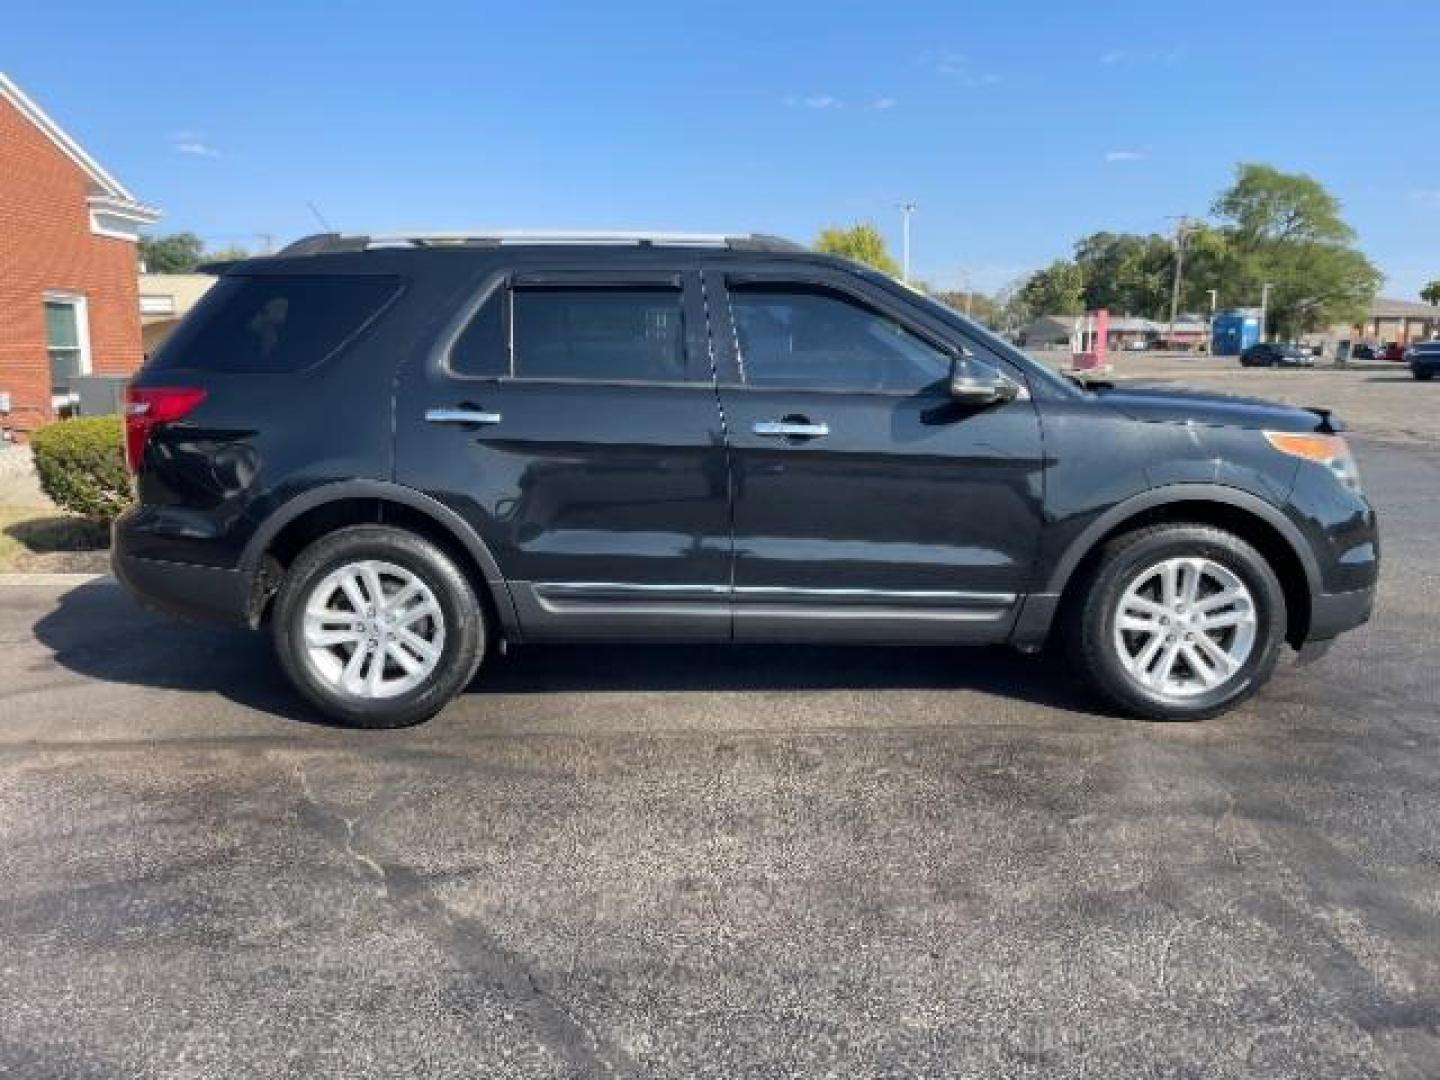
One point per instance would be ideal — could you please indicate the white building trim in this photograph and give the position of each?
(114, 210)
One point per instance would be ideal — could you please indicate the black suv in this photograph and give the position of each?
(1277, 354)
(398, 451)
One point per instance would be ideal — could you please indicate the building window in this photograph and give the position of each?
(67, 337)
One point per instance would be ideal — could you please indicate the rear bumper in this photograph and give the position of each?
(184, 589)
(1332, 614)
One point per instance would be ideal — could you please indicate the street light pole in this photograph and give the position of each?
(906, 209)
(1264, 306)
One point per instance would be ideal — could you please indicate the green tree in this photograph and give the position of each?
(862, 242)
(1058, 289)
(1126, 273)
(1431, 292)
(1267, 205)
(1285, 229)
(177, 253)
(983, 309)
(230, 253)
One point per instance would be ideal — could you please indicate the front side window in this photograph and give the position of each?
(602, 333)
(806, 337)
(65, 341)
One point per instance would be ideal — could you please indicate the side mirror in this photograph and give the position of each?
(974, 383)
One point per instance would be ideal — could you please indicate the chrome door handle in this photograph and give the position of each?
(461, 416)
(785, 429)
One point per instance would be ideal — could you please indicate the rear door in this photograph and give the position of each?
(572, 418)
(867, 503)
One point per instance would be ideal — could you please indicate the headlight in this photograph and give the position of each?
(1331, 451)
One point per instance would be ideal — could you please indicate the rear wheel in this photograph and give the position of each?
(1179, 622)
(1424, 374)
(377, 627)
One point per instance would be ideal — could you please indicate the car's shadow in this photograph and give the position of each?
(99, 631)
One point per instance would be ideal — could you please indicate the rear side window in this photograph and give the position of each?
(268, 325)
(609, 333)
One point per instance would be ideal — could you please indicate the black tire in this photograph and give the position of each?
(464, 622)
(1424, 375)
(1091, 618)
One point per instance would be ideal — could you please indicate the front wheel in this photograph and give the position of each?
(377, 627)
(1179, 622)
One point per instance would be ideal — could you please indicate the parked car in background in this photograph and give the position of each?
(397, 452)
(1424, 359)
(1363, 351)
(1277, 354)
(1393, 351)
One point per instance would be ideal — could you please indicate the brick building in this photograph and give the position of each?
(69, 302)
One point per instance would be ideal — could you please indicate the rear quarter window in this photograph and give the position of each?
(271, 325)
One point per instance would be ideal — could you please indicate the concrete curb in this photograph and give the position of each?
(22, 577)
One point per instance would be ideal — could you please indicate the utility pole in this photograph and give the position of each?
(1210, 326)
(906, 209)
(1183, 225)
(1264, 305)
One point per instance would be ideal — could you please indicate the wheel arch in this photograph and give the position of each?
(1259, 523)
(297, 522)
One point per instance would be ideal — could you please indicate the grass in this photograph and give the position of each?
(33, 539)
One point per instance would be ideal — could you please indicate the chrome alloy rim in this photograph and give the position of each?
(1185, 627)
(373, 630)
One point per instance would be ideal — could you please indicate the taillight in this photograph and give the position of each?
(147, 406)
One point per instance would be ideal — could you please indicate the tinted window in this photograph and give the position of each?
(797, 336)
(273, 324)
(599, 333)
(480, 349)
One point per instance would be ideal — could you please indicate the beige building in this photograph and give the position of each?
(164, 301)
(1396, 320)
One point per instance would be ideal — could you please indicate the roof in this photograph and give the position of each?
(1383, 308)
(108, 197)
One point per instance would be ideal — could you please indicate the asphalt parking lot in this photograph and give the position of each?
(681, 862)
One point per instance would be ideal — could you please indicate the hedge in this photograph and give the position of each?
(81, 465)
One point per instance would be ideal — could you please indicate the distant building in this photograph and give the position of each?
(165, 299)
(1125, 332)
(68, 297)
(1399, 320)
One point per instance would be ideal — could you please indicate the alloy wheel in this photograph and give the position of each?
(1184, 627)
(373, 629)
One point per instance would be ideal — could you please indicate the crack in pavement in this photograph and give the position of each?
(464, 939)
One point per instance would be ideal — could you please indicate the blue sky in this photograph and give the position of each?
(1016, 127)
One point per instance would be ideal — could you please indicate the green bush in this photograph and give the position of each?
(81, 465)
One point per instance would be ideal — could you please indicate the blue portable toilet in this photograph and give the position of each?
(1234, 331)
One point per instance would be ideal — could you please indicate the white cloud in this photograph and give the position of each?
(883, 104)
(1124, 155)
(949, 64)
(198, 149)
(813, 101)
(1143, 56)
(1426, 196)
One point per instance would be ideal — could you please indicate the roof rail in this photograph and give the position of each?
(332, 243)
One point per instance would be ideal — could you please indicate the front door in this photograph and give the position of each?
(868, 505)
(571, 418)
